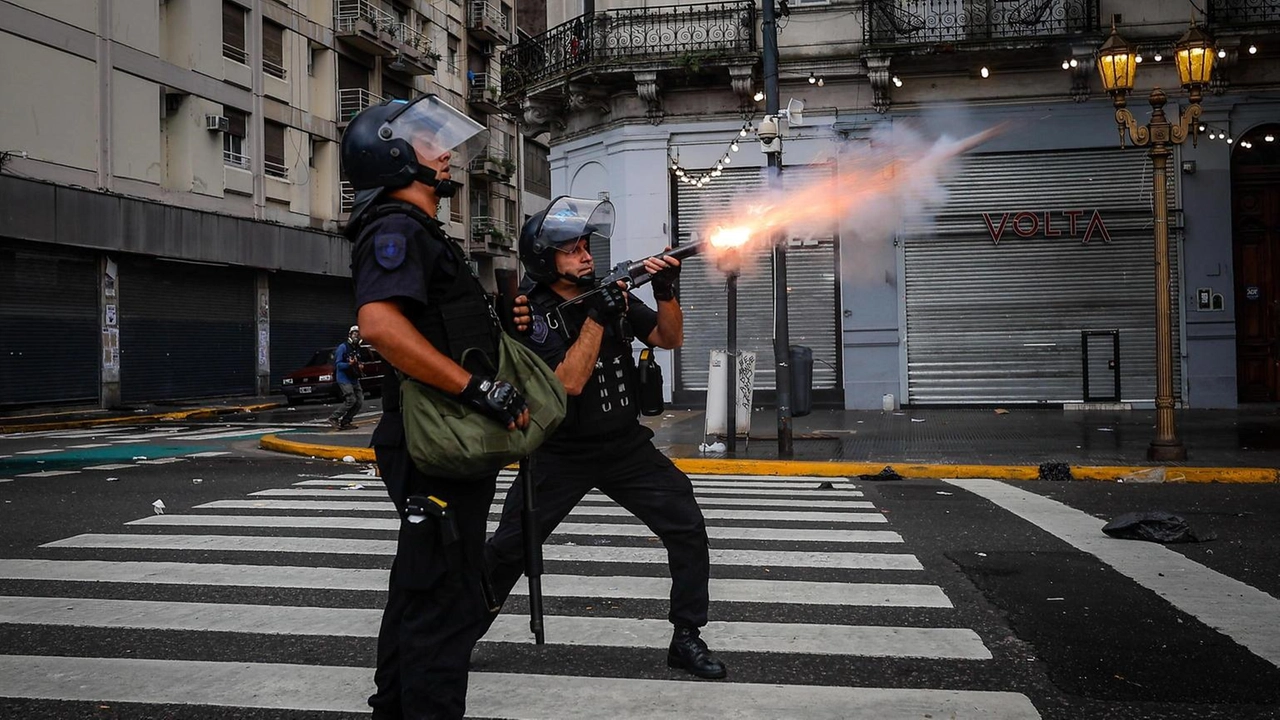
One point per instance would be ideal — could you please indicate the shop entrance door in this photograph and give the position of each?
(1255, 173)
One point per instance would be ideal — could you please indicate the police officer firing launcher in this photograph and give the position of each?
(420, 304)
(602, 444)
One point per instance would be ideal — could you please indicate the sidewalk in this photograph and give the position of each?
(1222, 445)
(69, 418)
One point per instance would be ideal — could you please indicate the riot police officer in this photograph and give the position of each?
(420, 304)
(602, 444)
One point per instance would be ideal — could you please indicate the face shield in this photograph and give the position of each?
(569, 218)
(433, 128)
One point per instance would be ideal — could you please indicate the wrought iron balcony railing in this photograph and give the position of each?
(494, 230)
(346, 196)
(494, 163)
(352, 100)
(899, 23)
(235, 159)
(692, 34)
(1242, 13)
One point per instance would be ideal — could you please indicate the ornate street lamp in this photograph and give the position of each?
(1117, 63)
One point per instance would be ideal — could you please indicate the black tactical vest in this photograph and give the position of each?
(607, 404)
(459, 314)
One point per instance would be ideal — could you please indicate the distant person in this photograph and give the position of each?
(347, 371)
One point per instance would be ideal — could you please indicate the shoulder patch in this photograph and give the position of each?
(389, 249)
(539, 330)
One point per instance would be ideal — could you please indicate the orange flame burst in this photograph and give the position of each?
(872, 191)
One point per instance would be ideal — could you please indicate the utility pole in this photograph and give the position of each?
(781, 331)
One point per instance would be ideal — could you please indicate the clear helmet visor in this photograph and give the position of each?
(569, 218)
(433, 127)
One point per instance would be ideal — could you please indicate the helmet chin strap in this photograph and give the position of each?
(583, 281)
(443, 188)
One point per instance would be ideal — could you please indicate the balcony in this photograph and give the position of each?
(495, 233)
(925, 26)
(493, 165)
(484, 93)
(351, 101)
(346, 196)
(680, 38)
(1242, 15)
(377, 32)
(486, 22)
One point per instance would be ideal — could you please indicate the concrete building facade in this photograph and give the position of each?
(170, 187)
(1026, 277)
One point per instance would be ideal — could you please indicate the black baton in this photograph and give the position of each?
(532, 549)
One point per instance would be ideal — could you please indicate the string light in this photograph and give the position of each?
(759, 95)
(1253, 49)
(897, 81)
(702, 180)
(813, 79)
(985, 72)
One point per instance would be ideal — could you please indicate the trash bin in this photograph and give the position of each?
(801, 380)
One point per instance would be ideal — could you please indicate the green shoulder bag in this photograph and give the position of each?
(448, 438)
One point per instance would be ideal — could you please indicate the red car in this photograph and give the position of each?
(316, 379)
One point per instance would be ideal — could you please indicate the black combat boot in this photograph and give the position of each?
(689, 653)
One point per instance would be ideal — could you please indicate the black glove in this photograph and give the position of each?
(496, 398)
(664, 283)
(606, 304)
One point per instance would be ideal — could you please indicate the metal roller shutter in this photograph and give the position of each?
(1001, 322)
(50, 342)
(308, 312)
(811, 274)
(186, 331)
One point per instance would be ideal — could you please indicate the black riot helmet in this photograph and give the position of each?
(383, 145)
(558, 228)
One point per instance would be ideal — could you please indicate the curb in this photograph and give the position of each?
(703, 466)
(197, 413)
(328, 452)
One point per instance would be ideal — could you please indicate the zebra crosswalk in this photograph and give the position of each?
(794, 559)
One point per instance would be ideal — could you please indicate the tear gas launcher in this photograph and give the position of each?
(630, 273)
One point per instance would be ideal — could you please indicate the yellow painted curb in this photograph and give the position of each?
(204, 412)
(702, 466)
(329, 452)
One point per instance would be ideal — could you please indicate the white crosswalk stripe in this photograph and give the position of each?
(230, 544)
(566, 528)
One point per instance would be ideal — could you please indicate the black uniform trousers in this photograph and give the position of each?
(436, 609)
(644, 482)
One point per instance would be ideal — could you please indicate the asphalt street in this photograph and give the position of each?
(256, 594)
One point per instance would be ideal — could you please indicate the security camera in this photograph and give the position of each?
(768, 130)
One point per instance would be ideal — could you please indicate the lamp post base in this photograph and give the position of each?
(1167, 451)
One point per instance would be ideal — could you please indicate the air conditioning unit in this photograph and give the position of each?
(217, 123)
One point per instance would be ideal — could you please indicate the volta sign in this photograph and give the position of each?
(1049, 224)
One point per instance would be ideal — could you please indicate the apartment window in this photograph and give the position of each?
(273, 151)
(537, 168)
(233, 138)
(351, 74)
(397, 90)
(453, 44)
(273, 50)
(455, 210)
(233, 21)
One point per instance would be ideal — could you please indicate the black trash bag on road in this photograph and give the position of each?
(888, 473)
(1056, 471)
(1154, 525)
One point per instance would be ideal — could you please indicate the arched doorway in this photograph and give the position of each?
(1255, 192)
